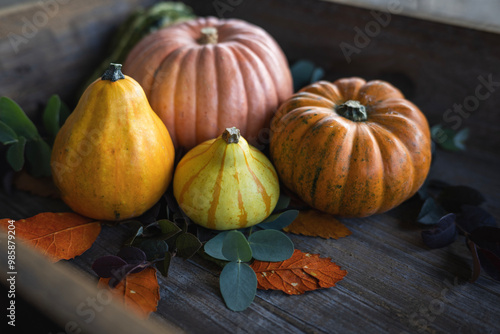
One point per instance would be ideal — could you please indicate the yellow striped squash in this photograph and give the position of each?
(224, 183)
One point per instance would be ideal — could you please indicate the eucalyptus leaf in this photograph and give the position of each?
(38, 155)
(12, 115)
(51, 115)
(238, 285)
(164, 265)
(283, 202)
(187, 245)
(15, 154)
(7, 135)
(270, 245)
(213, 247)
(236, 247)
(279, 221)
(431, 212)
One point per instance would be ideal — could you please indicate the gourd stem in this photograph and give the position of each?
(352, 110)
(231, 135)
(209, 35)
(113, 73)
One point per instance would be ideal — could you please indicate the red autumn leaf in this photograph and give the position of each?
(317, 224)
(139, 292)
(60, 236)
(300, 273)
(43, 187)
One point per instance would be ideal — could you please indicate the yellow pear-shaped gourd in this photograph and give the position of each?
(113, 158)
(224, 183)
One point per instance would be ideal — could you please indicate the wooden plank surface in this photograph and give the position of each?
(395, 284)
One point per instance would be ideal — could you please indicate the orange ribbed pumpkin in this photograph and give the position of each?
(204, 75)
(351, 148)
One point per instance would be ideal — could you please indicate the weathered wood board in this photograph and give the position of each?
(394, 283)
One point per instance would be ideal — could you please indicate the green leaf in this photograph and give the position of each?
(51, 115)
(64, 113)
(283, 202)
(449, 139)
(187, 245)
(7, 135)
(168, 228)
(460, 138)
(302, 73)
(154, 249)
(12, 115)
(236, 247)
(164, 265)
(238, 285)
(38, 155)
(15, 154)
(431, 212)
(270, 245)
(317, 74)
(213, 247)
(138, 229)
(279, 221)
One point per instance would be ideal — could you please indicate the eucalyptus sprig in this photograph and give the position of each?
(238, 281)
(235, 248)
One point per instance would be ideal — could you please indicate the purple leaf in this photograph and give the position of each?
(486, 234)
(487, 241)
(490, 262)
(443, 234)
(473, 217)
(105, 266)
(476, 265)
(120, 273)
(132, 255)
(453, 197)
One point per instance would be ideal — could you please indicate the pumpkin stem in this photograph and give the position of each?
(352, 110)
(231, 135)
(209, 35)
(113, 73)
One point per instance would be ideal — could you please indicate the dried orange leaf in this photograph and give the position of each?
(60, 236)
(138, 292)
(43, 187)
(317, 224)
(300, 273)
